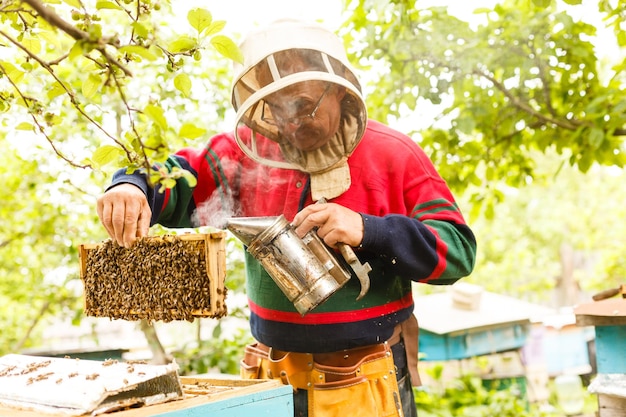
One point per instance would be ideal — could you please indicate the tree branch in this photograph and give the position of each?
(8, 241)
(69, 92)
(569, 125)
(39, 126)
(619, 132)
(545, 88)
(54, 19)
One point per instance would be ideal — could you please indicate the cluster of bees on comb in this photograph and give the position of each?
(160, 278)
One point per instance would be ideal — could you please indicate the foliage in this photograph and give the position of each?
(615, 17)
(74, 61)
(469, 396)
(219, 353)
(214, 354)
(38, 277)
(521, 244)
(85, 88)
(525, 79)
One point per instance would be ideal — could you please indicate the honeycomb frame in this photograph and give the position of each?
(137, 283)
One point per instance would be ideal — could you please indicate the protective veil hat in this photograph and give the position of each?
(268, 54)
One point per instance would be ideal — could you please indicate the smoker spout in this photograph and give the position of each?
(247, 228)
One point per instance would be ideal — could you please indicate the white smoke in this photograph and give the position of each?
(216, 210)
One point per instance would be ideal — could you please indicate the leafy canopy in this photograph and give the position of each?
(75, 61)
(525, 79)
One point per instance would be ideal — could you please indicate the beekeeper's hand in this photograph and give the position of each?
(125, 213)
(335, 223)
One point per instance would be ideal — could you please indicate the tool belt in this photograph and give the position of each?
(354, 382)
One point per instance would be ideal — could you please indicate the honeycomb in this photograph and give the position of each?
(159, 278)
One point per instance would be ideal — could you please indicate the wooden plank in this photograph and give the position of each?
(611, 406)
(274, 403)
(240, 389)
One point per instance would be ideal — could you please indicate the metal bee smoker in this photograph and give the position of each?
(304, 269)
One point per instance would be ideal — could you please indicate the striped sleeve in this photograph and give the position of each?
(432, 245)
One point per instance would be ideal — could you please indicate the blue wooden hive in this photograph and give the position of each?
(609, 320)
(450, 330)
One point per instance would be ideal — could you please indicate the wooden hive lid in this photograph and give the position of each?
(610, 312)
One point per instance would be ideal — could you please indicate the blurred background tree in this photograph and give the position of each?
(87, 87)
(521, 106)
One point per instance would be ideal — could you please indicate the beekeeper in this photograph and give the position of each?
(302, 134)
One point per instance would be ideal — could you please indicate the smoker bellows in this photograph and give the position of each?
(172, 277)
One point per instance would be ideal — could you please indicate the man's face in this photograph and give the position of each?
(306, 114)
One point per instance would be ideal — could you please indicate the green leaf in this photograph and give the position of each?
(542, 3)
(51, 39)
(199, 19)
(167, 183)
(182, 44)
(140, 29)
(76, 50)
(596, 137)
(226, 47)
(215, 27)
(32, 44)
(91, 85)
(585, 161)
(138, 50)
(104, 4)
(80, 48)
(73, 3)
(466, 124)
(190, 178)
(191, 131)
(182, 82)
(106, 154)
(14, 73)
(157, 114)
(25, 126)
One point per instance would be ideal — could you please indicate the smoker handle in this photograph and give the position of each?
(347, 252)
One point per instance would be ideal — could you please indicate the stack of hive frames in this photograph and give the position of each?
(159, 278)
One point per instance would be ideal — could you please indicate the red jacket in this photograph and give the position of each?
(413, 231)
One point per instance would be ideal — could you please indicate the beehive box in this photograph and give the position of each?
(499, 324)
(207, 397)
(224, 398)
(171, 277)
(609, 320)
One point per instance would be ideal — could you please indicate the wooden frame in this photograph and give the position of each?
(215, 260)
